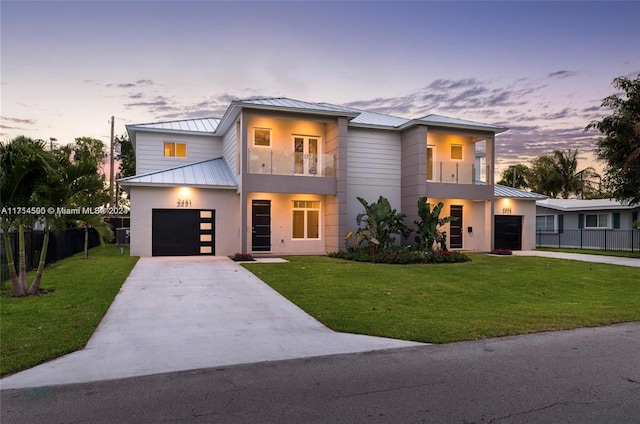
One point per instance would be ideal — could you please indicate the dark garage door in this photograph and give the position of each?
(182, 232)
(508, 232)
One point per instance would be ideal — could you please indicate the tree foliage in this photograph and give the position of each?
(66, 177)
(521, 173)
(556, 175)
(126, 157)
(619, 147)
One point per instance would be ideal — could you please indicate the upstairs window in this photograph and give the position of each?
(456, 151)
(175, 150)
(262, 137)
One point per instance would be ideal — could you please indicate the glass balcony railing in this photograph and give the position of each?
(457, 173)
(279, 162)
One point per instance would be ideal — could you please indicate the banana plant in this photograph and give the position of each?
(379, 223)
(428, 235)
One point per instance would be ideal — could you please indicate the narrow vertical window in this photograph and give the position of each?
(430, 162)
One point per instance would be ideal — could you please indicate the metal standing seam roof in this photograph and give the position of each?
(284, 102)
(445, 120)
(514, 193)
(584, 204)
(199, 125)
(213, 173)
(358, 117)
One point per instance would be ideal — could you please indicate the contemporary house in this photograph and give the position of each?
(281, 176)
(596, 223)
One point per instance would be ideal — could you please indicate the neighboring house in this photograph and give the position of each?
(281, 176)
(596, 223)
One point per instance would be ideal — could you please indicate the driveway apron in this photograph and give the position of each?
(185, 313)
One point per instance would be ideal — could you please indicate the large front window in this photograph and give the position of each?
(306, 219)
(305, 159)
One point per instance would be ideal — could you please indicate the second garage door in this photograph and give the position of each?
(182, 232)
(508, 232)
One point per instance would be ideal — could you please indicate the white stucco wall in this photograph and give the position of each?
(225, 202)
(474, 215)
(282, 241)
(526, 209)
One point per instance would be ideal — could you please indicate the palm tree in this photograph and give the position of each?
(25, 166)
(570, 180)
(67, 186)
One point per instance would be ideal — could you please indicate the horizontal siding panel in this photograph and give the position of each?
(229, 142)
(150, 150)
(374, 159)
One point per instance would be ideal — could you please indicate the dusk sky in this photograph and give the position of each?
(539, 68)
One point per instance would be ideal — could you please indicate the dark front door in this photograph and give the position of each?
(182, 232)
(508, 232)
(455, 227)
(261, 225)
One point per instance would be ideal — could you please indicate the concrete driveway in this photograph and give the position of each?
(177, 314)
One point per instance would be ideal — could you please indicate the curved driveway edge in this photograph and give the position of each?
(184, 313)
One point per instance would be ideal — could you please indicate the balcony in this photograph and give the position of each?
(457, 173)
(278, 162)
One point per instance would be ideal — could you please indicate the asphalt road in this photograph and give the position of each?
(580, 376)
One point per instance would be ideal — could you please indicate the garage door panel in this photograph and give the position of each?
(508, 232)
(177, 232)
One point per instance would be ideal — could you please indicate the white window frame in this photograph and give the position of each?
(546, 230)
(306, 165)
(598, 216)
(270, 137)
(175, 149)
(306, 209)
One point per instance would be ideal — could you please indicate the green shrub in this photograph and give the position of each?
(401, 256)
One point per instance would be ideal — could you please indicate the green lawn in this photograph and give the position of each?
(489, 296)
(619, 253)
(39, 328)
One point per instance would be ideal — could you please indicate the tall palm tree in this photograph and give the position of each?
(570, 180)
(24, 166)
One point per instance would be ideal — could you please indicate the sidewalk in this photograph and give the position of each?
(614, 260)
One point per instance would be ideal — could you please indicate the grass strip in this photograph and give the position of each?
(487, 297)
(77, 294)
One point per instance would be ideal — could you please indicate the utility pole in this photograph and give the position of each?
(111, 194)
(514, 176)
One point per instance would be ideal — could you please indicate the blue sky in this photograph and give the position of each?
(540, 68)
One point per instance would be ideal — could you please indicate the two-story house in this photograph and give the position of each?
(281, 176)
